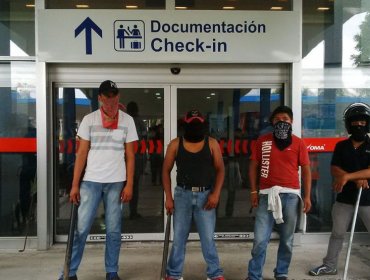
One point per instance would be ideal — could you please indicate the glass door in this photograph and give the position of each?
(143, 216)
(237, 109)
(236, 116)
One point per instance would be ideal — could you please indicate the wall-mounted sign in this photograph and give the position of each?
(168, 36)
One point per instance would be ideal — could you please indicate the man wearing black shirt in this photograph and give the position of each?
(350, 155)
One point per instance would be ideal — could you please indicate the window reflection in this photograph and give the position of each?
(334, 75)
(17, 149)
(111, 4)
(322, 110)
(17, 29)
(271, 5)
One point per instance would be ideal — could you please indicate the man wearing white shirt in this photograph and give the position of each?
(104, 170)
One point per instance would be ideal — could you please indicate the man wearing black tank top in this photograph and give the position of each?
(200, 176)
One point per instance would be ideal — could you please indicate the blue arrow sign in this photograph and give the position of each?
(89, 25)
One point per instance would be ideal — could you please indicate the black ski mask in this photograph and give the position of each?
(194, 131)
(358, 132)
(282, 134)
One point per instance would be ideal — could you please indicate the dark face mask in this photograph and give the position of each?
(282, 134)
(358, 132)
(194, 132)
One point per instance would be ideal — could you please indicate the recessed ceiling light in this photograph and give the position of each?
(131, 7)
(228, 8)
(30, 5)
(323, 8)
(276, 8)
(157, 94)
(213, 93)
(208, 97)
(159, 97)
(82, 6)
(181, 8)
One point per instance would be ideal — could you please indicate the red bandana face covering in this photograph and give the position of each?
(109, 112)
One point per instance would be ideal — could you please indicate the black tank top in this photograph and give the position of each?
(195, 169)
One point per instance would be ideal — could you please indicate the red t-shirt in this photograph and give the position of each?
(279, 168)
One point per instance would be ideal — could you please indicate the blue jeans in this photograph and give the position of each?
(91, 195)
(262, 232)
(190, 204)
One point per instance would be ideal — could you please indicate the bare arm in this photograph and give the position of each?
(360, 178)
(363, 174)
(306, 176)
(80, 163)
(253, 175)
(126, 193)
(218, 164)
(168, 163)
(336, 171)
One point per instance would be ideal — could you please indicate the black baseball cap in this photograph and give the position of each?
(108, 87)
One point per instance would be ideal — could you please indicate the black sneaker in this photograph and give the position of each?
(322, 270)
(112, 276)
(281, 278)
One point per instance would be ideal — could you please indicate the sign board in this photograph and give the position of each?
(168, 36)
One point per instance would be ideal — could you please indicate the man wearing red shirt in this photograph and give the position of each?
(275, 191)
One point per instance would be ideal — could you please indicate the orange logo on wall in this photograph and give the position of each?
(321, 145)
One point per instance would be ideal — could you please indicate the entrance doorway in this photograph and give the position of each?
(237, 113)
